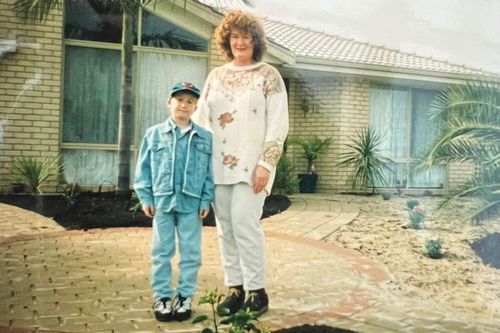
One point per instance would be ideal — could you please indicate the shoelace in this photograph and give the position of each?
(234, 293)
(181, 304)
(254, 298)
(162, 305)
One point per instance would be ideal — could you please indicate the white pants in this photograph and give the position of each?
(241, 239)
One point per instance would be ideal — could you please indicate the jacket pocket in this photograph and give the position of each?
(161, 167)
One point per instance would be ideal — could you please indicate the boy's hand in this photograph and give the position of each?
(203, 213)
(149, 211)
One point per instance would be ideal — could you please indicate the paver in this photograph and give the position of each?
(98, 281)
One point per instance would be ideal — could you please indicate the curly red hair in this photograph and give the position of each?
(247, 23)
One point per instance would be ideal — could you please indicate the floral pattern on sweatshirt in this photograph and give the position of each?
(230, 161)
(226, 118)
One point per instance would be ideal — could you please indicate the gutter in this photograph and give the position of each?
(341, 67)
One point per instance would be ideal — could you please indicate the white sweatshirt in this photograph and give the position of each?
(246, 109)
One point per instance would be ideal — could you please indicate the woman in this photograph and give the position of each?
(244, 104)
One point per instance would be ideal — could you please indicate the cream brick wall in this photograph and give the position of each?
(338, 107)
(30, 91)
(215, 58)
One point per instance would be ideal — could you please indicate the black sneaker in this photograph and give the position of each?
(232, 303)
(182, 308)
(257, 302)
(163, 309)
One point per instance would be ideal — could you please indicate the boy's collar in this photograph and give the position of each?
(174, 125)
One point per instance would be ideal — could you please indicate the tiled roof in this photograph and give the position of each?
(304, 42)
(308, 43)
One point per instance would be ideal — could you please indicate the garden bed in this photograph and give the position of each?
(89, 210)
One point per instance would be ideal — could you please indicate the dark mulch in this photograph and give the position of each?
(89, 210)
(313, 329)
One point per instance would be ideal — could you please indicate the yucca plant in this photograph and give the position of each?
(34, 172)
(368, 165)
(470, 115)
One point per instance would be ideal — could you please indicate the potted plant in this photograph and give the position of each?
(365, 160)
(313, 147)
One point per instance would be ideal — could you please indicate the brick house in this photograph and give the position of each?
(59, 89)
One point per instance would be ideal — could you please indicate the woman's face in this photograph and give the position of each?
(241, 47)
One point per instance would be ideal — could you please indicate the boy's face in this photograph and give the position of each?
(182, 106)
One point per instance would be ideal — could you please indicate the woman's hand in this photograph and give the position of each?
(260, 178)
(149, 211)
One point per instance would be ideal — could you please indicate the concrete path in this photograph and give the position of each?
(55, 280)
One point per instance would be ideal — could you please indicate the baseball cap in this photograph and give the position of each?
(185, 86)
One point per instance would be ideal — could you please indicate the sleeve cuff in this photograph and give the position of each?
(266, 165)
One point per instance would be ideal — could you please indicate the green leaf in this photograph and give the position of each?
(199, 319)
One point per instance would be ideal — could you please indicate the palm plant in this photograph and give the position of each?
(35, 11)
(364, 158)
(313, 147)
(470, 115)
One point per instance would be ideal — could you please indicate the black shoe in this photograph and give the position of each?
(163, 309)
(257, 302)
(182, 308)
(232, 303)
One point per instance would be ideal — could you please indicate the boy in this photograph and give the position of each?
(174, 183)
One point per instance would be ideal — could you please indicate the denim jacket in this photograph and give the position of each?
(154, 174)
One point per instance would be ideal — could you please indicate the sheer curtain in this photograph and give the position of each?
(159, 72)
(424, 132)
(390, 117)
(91, 95)
(401, 117)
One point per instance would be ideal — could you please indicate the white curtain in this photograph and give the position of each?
(401, 117)
(159, 72)
(91, 95)
(91, 105)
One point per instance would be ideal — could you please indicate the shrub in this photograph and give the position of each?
(433, 248)
(285, 182)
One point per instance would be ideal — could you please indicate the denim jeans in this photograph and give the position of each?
(188, 228)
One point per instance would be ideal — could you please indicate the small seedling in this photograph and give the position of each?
(136, 204)
(417, 217)
(433, 248)
(240, 322)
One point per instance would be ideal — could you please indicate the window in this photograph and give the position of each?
(91, 95)
(157, 32)
(402, 118)
(93, 20)
(92, 77)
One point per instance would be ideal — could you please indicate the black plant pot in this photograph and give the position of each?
(307, 182)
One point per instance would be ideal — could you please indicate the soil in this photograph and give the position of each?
(89, 210)
(313, 329)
